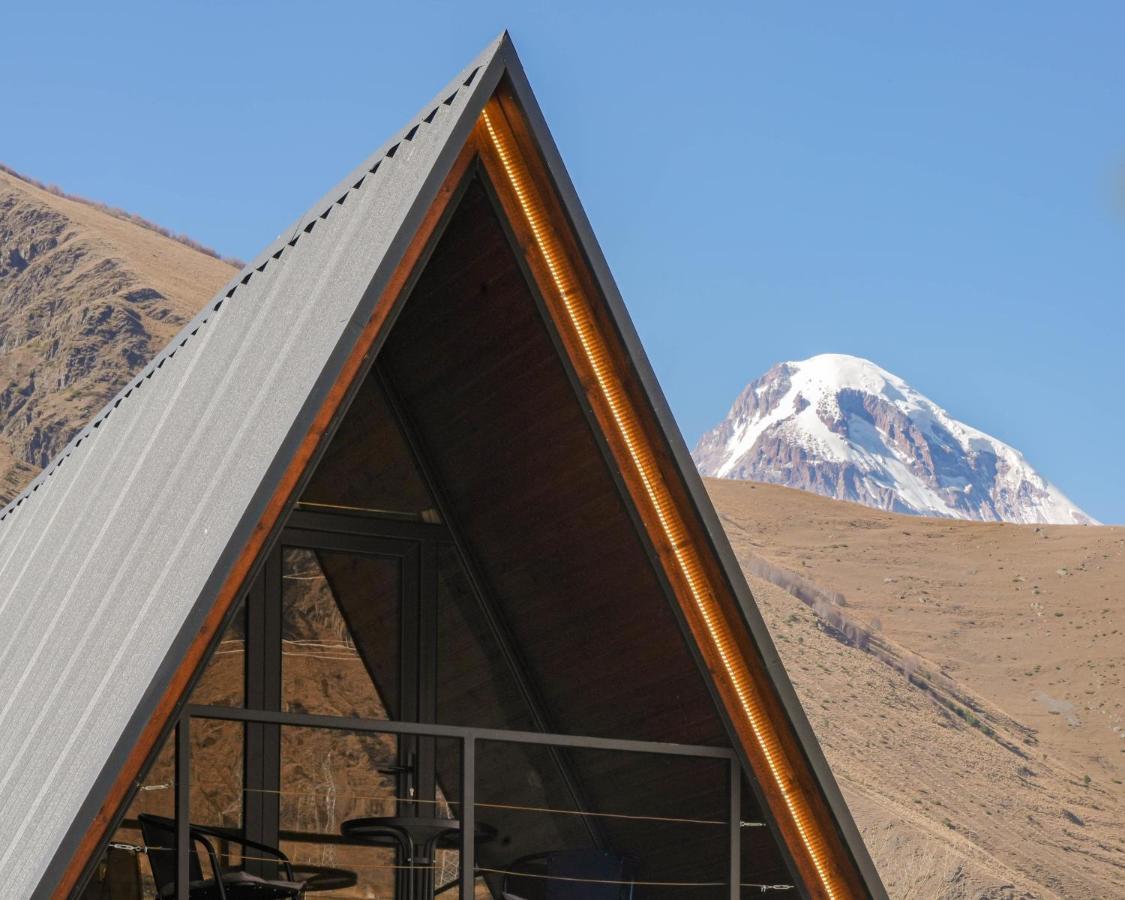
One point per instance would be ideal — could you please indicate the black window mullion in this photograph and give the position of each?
(271, 684)
(262, 742)
(410, 621)
(426, 598)
(252, 732)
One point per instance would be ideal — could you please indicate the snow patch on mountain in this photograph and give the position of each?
(842, 426)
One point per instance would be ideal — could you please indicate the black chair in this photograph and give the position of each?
(227, 884)
(569, 875)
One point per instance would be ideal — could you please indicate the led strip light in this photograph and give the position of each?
(674, 530)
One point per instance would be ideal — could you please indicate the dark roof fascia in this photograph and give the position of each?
(483, 85)
(703, 507)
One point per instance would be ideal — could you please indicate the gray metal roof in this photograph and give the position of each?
(104, 557)
(109, 559)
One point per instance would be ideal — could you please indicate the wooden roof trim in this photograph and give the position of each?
(652, 478)
(354, 368)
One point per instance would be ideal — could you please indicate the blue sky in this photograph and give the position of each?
(940, 188)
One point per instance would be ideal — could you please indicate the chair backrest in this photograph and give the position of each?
(160, 835)
(586, 867)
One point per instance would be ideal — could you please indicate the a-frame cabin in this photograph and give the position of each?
(399, 529)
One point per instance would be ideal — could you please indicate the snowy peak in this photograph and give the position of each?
(844, 427)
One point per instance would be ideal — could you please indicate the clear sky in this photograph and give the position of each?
(939, 187)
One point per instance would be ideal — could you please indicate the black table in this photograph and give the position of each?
(416, 838)
(324, 878)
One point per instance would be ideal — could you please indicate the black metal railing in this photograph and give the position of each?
(469, 738)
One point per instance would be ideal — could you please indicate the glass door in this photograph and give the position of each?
(347, 632)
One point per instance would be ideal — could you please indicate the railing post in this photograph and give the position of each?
(468, 816)
(183, 813)
(735, 825)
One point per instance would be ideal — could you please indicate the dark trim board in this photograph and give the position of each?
(337, 522)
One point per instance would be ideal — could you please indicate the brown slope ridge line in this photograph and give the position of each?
(964, 679)
(86, 299)
(119, 213)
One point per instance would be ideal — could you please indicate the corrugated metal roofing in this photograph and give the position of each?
(104, 557)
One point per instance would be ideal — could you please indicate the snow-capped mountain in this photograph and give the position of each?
(844, 427)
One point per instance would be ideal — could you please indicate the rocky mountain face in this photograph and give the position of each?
(85, 300)
(843, 427)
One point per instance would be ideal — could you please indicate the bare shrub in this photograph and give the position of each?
(856, 632)
(945, 683)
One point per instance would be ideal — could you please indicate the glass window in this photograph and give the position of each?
(215, 800)
(223, 682)
(340, 633)
(475, 683)
(327, 778)
(369, 465)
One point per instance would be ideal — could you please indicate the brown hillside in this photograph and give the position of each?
(964, 679)
(86, 299)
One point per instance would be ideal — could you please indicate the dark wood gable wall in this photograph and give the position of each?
(482, 386)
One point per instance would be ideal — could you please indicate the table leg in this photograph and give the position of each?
(426, 875)
(405, 888)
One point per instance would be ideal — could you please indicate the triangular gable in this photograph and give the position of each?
(142, 533)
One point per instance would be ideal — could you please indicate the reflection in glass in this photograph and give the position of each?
(369, 465)
(327, 667)
(215, 800)
(223, 682)
(474, 684)
(328, 777)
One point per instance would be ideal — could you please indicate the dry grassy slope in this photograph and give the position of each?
(86, 299)
(995, 803)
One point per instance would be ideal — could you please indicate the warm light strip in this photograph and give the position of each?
(674, 530)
